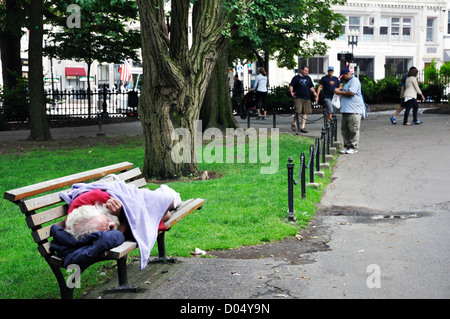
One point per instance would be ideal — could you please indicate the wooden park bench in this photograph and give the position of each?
(43, 207)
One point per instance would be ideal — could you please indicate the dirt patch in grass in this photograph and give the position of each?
(295, 250)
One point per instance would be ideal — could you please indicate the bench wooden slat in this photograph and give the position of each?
(122, 250)
(185, 209)
(132, 173)
(139, 182)
(31, 190)
(48, 215)
(40, 202)
(44, 232)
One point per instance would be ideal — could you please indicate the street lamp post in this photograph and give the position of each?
(353, 40)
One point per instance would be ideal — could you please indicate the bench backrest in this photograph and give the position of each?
(43, 206)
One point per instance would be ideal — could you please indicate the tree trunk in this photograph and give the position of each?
(38, 119)
(11, 61)
(216, 110)
(175, 81)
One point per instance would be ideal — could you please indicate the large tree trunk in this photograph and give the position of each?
(11, 62)
(175, 81)
(216, 110)
(38, 119)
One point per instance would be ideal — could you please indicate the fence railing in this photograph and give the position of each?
(103, 101)
(325, 146)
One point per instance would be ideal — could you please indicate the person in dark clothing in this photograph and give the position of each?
(300, 87)
(329, 83)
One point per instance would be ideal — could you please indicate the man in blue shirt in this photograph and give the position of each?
(352, 106)
(329, 83)
(300, 87)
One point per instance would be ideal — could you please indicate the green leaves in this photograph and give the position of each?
(103, 33)
(282, 27)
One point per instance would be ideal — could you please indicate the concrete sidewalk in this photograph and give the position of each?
(383, 220)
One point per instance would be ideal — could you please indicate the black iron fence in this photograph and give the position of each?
(84, 104)
(320, 154)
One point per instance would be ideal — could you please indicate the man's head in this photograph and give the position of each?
(345, 74)
(304, 70)
(330, 71)
(88, 219)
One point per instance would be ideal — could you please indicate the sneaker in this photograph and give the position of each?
(417, 122)
(351, 151)
(264, 118)
(393, 120)
(343, 151)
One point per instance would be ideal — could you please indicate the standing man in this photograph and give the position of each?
(352, 106)
(300, 88)
(329, 83)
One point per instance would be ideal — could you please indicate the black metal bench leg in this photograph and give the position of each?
(123, 278)
(162, 257)
(66, 292)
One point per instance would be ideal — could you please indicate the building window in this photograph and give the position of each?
(395, 29)
(396, 66)
(369, 29)
(384, 29)
(103, 75)
(448, 22)
(406, 30)
(354, 23)
(315, 66)
(430, 29)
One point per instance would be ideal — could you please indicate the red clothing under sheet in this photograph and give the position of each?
(97, 196)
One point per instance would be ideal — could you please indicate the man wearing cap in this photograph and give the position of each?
(352, 106)
(329, 83)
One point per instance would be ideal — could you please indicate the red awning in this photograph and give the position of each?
(75, 71)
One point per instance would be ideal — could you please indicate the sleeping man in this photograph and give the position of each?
(137, 213)
(96, 210)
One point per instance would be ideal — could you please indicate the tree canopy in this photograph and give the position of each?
(281, 29)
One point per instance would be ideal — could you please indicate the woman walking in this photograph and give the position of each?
(260, 87)
(410, 96)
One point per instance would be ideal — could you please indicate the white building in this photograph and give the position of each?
(393, 36)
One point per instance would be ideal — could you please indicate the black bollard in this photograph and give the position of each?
(274, 114)
(290, 169)
(323, 144)
(303, 174)
(311, 164)
(328, 138)
(317, 154)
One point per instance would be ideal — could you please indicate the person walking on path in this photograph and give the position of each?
(329, 83)
(352, 107)
(410, 96)
(300, 87)
(260, 87)
(393, 118)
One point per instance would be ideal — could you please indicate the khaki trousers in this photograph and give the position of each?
(350, 129)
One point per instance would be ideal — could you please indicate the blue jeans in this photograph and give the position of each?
(408, 105)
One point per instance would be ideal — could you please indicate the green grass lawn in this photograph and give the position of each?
(243, 207)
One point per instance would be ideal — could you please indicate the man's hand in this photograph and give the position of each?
(114, 205)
